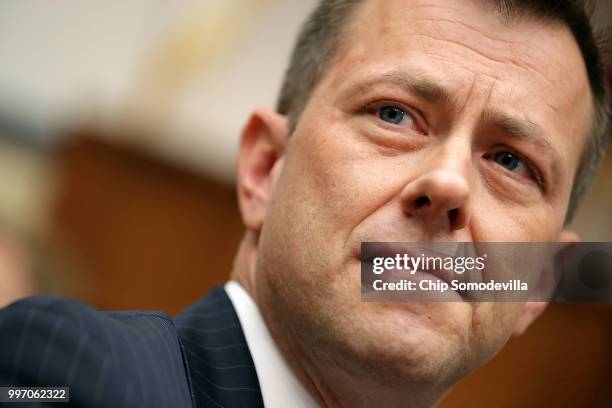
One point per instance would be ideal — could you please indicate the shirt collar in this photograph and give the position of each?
(279, 385)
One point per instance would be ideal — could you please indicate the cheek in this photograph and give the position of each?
(496, 220)
(332, 174)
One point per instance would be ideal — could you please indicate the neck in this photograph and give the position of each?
(332, 381)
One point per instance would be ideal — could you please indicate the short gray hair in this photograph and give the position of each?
(320, 36)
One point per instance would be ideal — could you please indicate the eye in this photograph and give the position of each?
(392, 114)
(517, 165)
(509, 161)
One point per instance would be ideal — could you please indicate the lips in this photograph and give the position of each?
(371, 251)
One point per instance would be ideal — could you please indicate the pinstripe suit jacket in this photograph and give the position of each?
(130, 359)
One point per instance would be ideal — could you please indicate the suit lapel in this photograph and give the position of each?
(219, 365)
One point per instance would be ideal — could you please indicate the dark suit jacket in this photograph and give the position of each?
(130, 359)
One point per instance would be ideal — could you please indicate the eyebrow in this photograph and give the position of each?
(424, 88)
(417, 83)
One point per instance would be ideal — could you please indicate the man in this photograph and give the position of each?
(399, 120)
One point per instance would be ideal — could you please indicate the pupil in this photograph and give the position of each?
(508, 160)
(391, 114)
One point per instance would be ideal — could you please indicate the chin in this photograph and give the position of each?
(409, 343)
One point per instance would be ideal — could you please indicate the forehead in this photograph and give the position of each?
(529, 68)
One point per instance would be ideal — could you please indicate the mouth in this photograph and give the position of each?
(419, 259)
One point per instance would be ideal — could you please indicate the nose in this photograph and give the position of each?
(440, 198)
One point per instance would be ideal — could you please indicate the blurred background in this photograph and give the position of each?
(119, 127)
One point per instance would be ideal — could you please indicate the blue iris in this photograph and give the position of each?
(391, 114)
(508, 160)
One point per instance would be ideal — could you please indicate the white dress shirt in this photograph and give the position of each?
(280, 388)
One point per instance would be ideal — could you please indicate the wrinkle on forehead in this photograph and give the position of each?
(446, 23)
(522, 64)
(487, 46)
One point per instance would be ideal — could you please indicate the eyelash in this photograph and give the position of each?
(529, 165)
(373, 108)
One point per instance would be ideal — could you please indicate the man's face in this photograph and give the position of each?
(437, 121)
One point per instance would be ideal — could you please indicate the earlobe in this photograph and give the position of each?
(568, 237)
(534, 309)
(530, 313)
(261, 150)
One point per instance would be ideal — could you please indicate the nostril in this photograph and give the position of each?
(453, 214)
(421, 201)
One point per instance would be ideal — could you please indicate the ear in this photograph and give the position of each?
(533, 310)
(259, 163)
